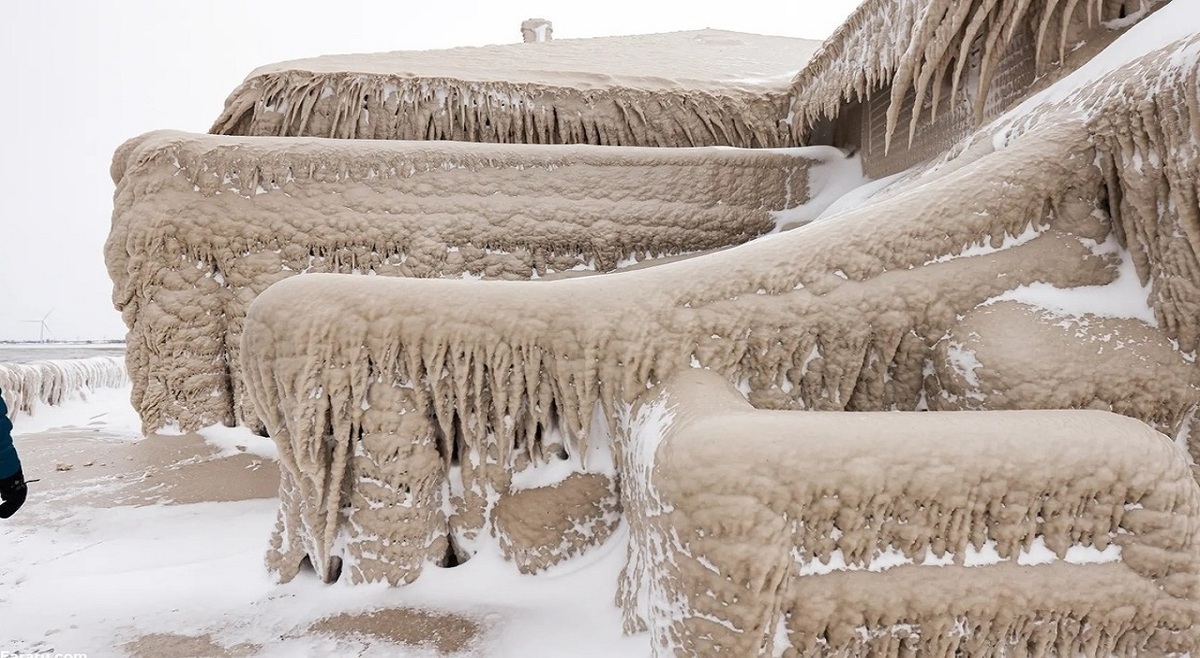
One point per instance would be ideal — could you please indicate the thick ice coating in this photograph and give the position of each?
(726, 403)
(889, 534)
(699, 88)
(446, 402)
(203, 224)
(25, 385)
(855, 312)
(998, 352)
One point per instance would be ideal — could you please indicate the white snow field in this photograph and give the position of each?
(154, 546)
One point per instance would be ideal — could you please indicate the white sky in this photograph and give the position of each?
(82, 76)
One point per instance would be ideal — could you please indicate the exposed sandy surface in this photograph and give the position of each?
(170, 644)
(439, 632)
(446, 633)
(80, 466)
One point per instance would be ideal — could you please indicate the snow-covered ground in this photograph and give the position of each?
(154, 546)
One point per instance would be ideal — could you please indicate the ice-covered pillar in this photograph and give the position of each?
(536, 30)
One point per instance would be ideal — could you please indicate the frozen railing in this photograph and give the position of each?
(202, 224)
(758, 532)
(50, 382)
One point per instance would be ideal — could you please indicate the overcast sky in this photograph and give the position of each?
(81, 77)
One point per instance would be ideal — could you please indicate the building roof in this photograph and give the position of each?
(699, 59)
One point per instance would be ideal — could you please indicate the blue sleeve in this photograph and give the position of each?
(9, 463)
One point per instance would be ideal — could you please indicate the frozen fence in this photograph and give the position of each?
(891, 534)
(26, 385)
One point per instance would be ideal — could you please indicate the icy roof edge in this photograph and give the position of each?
(911, 43)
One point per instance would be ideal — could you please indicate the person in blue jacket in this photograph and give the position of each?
(12, 480)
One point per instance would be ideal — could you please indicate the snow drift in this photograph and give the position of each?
(25, 385)
(203, 224)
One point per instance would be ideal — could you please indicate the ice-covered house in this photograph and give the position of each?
(889, 430)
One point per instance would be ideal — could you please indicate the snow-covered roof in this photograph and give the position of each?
(699, 88)
(704, 59)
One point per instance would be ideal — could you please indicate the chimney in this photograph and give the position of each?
(536, 30)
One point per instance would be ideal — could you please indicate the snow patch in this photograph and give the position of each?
(833, 175)
(984, 247)
(1125, 297)
(596, 458)
(106, 408)
(236, 440)
(987, 555)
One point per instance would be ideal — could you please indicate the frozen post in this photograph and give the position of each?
(536, 30)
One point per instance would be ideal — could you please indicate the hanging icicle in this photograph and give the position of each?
(909, 44)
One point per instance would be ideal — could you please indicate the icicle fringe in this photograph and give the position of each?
(905, 45)
(363, 106)
(26, 385)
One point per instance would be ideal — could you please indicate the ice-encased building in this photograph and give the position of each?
(952, 413)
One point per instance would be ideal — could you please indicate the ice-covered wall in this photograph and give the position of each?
(202, 224)
(51, 382)
(698, 88)
(757, 533)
